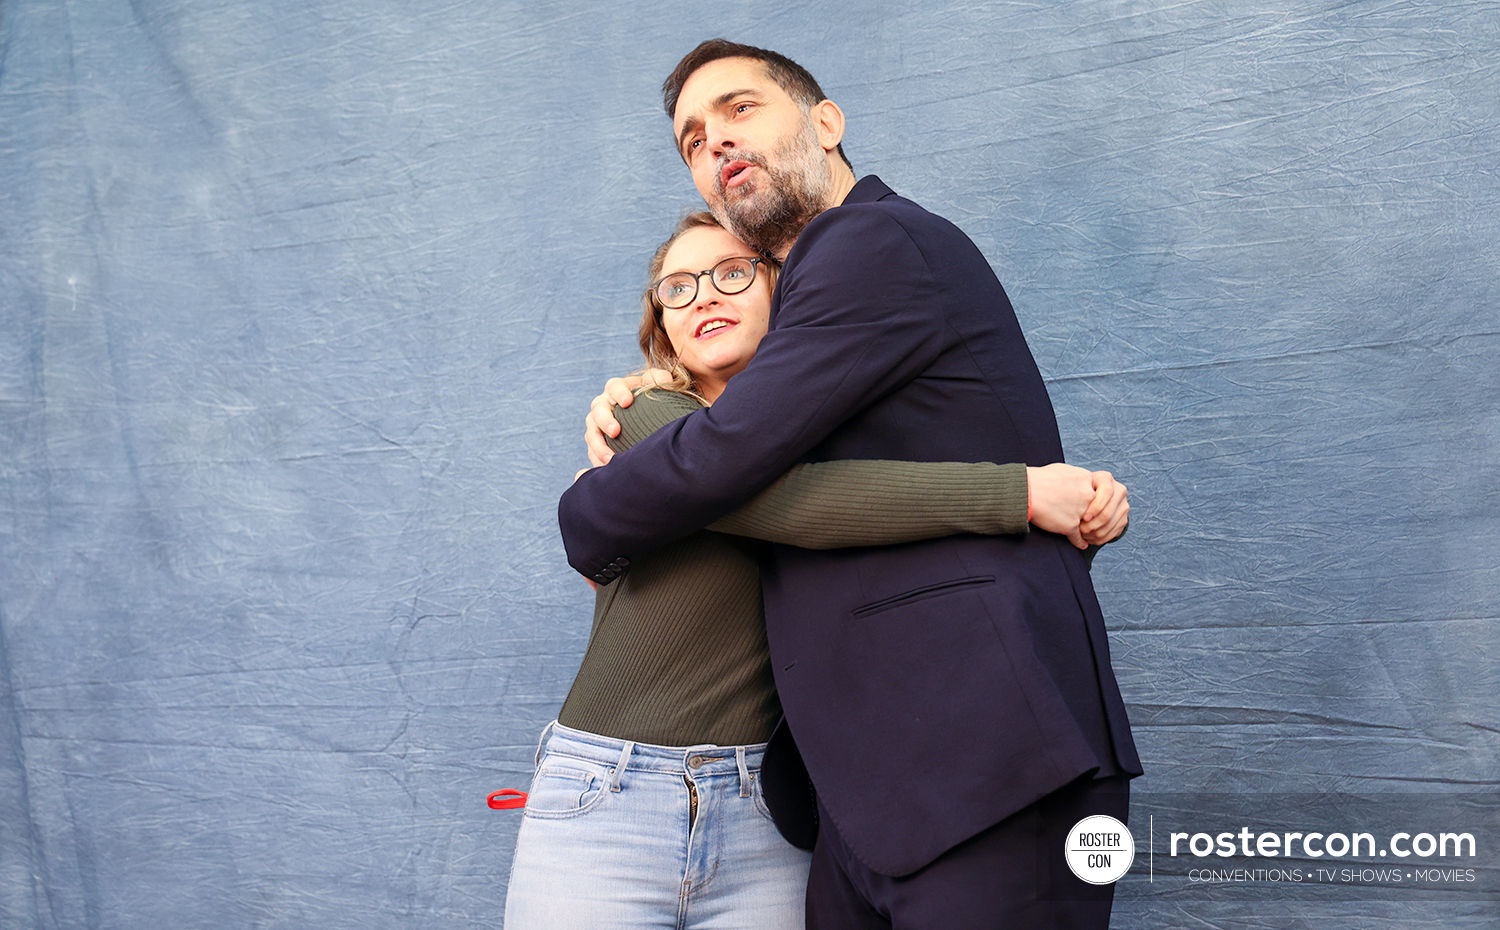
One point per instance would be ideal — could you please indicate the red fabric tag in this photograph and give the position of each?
(507, 799)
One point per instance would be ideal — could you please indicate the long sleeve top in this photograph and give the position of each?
(677, 655)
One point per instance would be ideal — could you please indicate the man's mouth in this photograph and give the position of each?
(735, 173)
(707, 327)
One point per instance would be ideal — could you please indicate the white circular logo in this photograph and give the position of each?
(1100, 849)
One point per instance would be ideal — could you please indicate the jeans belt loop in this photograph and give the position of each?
(739, 756)
(542, 741)
(614, 781)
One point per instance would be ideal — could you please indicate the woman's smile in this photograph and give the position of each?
(713, 327)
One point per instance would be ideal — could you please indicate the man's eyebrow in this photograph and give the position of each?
(693, 123)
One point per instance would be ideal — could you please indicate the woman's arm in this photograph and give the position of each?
(859, 502)
(830, 505)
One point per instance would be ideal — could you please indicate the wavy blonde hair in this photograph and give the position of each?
(656, 346)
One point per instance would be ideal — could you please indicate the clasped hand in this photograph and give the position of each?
(1090, 508)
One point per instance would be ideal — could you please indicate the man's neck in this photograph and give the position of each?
(843, 182)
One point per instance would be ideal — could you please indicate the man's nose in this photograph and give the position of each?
(720, 140)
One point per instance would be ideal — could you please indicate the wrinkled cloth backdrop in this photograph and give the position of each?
(301, 304)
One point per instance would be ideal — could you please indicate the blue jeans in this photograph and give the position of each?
(630, 835)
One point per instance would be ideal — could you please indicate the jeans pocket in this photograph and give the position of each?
(566, 787)
(759, 797)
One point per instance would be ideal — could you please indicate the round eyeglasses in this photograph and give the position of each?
(731, 276)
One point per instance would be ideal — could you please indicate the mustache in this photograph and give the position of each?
(744, 155)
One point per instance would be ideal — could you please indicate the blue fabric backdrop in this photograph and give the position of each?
(301, 304)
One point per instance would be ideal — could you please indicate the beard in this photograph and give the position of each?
(768, 214)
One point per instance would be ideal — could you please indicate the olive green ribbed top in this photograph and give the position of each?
(678, 655)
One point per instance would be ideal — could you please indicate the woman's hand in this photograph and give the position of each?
(1059, 495)
(1109, 513)
(1090, 508)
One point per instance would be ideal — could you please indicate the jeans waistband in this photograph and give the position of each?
(701, 760)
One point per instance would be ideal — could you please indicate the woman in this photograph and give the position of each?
(646, 809)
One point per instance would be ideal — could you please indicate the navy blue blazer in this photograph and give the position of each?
(934, 688)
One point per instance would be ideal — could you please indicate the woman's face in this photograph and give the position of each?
(716, 335)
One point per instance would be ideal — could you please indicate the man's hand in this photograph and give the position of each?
(1109, 512)
(601, 423)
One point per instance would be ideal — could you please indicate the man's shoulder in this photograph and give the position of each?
(880, 215)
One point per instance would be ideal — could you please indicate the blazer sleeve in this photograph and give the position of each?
(828, 505)
(855, 321)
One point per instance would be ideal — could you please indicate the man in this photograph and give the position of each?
(952, 699)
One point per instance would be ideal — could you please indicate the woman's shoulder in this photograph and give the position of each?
(649, 412)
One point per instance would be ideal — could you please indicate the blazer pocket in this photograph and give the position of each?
(922, 594)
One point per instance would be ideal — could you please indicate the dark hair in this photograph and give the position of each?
(788, 75)
(656, 345)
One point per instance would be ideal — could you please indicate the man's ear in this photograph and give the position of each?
(828, 120)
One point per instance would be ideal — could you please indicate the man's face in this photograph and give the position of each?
(754, 153)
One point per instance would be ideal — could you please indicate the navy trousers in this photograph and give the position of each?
(1013, 875)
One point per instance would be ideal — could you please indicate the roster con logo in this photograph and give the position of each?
(1099, 849)
(1315, 845)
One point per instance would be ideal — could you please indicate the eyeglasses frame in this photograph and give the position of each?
(655, 298)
